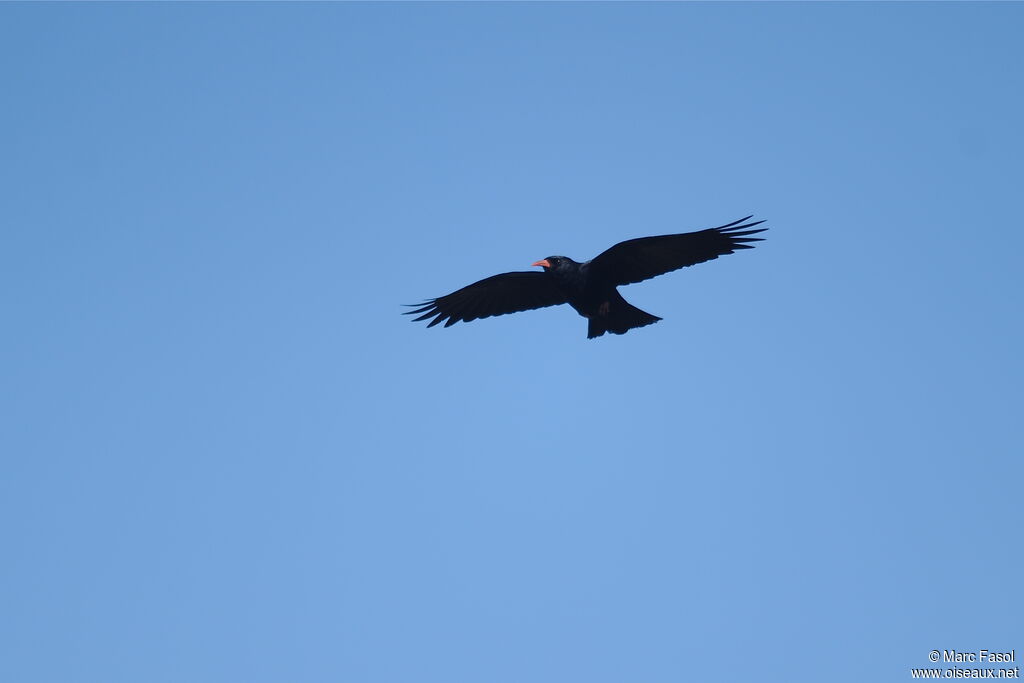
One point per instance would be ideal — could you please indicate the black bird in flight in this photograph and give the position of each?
(590, 287)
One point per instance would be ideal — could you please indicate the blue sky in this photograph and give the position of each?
(227, 457)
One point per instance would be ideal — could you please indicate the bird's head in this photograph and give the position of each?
(555, 263)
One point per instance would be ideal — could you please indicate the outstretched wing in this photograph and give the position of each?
(496, 295)
(647, 257)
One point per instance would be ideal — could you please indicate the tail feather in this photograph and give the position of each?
(620, 318)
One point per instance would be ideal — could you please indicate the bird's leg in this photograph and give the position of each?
(604, 308)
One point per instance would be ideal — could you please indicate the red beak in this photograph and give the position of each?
(543, 264)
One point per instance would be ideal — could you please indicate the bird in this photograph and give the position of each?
(590, 287)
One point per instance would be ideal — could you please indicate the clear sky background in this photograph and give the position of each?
(227, 457)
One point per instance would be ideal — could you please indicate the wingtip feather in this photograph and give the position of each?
(420, 307)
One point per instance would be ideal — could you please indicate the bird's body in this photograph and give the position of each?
(595, 298)
(590, 287)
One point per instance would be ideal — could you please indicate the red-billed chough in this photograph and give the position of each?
(590, 287)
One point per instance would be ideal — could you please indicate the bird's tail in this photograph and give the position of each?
(619, 319)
